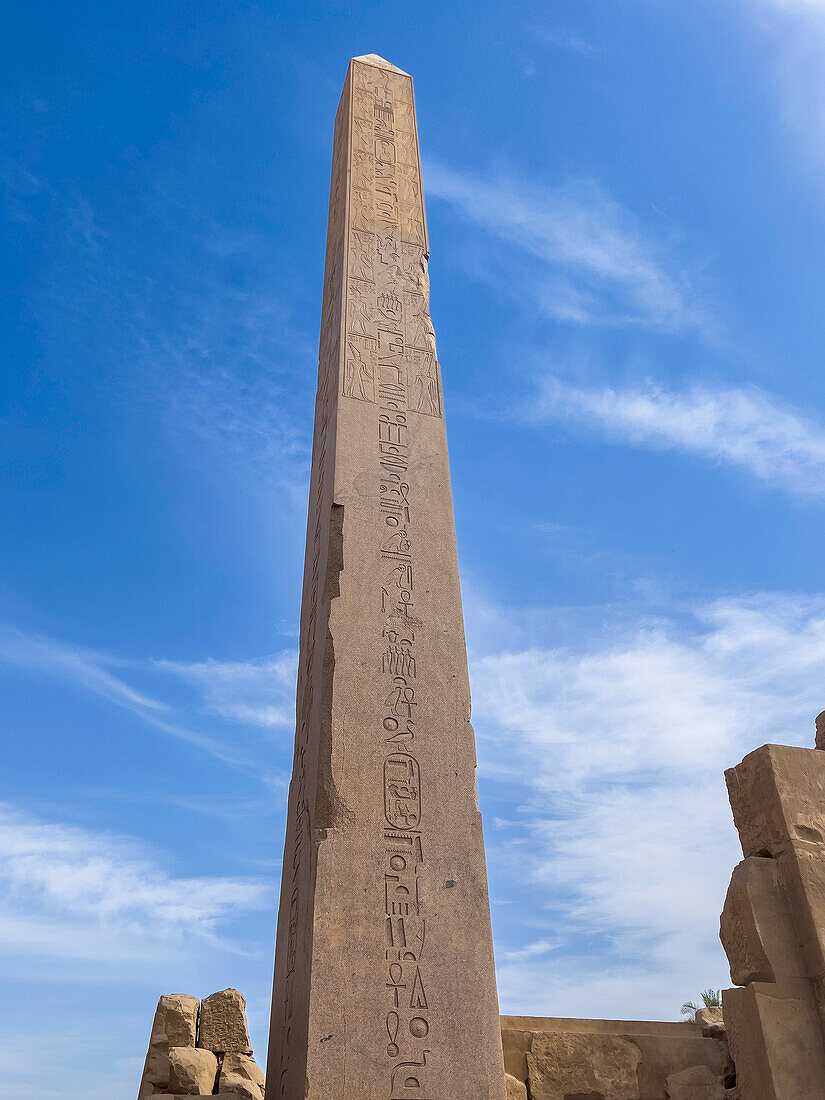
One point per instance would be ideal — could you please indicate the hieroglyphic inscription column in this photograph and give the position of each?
(384, 980)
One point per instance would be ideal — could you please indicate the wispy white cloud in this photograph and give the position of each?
(616, 750)
(745, 427)
(796, 36)
(73, 893)
(530, 951)
(89, 670)
(600, 264)
(46, 1064)
(79, 665)
(259, 691)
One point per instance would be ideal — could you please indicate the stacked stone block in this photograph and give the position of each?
(773, 925)
(563, 1059)
(200, 1049)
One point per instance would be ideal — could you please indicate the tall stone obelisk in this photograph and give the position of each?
(384, 979)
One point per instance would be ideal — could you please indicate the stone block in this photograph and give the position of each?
(245, 1066)
(776, 1041)
(240, 1087)
(516, 1042)
(712, 1023)
(176, 1017)
(174, 1024)
(803, 875)
(665, 1048)
(778, 798)
(819, 724)
(222, 1028)
(241, 1075)
(516, 1090)
(756, 927)
(156, 1067)
(696, 1083)
(192, 1072)
(777, 795)
(563, 1064)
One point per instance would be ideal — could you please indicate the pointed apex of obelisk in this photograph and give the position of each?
(379, 62)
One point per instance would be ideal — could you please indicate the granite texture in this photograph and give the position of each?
(384, 979)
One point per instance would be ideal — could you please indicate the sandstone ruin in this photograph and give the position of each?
(559, 1059)
(201, 1048)
(384, 984)
(773, 924)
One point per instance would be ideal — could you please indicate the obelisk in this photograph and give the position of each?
(384, 979)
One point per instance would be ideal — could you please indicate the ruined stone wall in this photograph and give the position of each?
(768, 1041)
(559, 1059)
(773, 924)
(201, 1049)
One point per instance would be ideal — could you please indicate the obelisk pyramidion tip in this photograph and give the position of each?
(379, 62)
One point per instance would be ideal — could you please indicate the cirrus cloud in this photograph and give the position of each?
(597, 262)
(619, 844)
(742, 427)
(71, 893)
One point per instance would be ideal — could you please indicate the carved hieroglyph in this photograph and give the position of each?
(384, 980)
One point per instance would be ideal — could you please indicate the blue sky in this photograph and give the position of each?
(628, 248)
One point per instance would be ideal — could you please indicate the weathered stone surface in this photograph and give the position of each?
(756, 926)
(384, 846)
(712, 1023)
(192, 1071)
(516, 1090)
(516, 1040)
(696, 1083)
(777, 795)
(244, 1065)
(222, 1025)
(237, 1086)
(175, 1024)
(773, 925)
(776, 1041)
(176, 1017)
(240, 1073)
(225, 1023)
(778, 798)
(156, 1067)
(564, 1064)
(820, 730)
(665, 1048)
